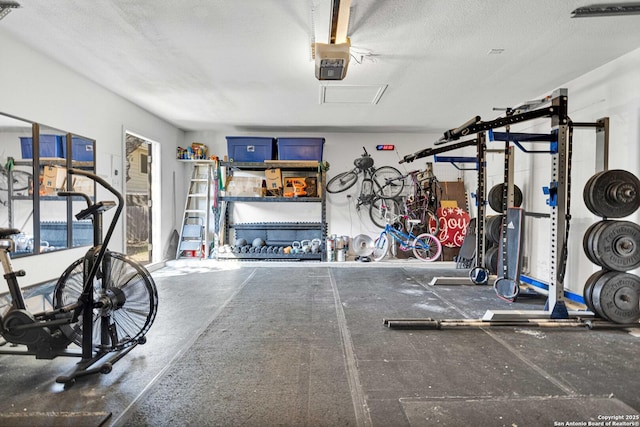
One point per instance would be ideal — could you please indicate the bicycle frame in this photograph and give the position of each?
(425, 247)
(424, 201)
(364, 166)
(371, 185)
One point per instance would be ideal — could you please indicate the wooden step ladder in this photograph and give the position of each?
(195, 234)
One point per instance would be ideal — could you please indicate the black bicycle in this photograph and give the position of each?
(12, 179)
(375, 190)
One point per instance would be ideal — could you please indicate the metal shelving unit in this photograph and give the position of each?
(224, 221)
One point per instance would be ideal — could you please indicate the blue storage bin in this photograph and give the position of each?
(81, 149)
(50, 146)
(300, 148)
(250, 148)
(54, 233)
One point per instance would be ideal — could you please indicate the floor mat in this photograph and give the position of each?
(51, 419)
(530, 411)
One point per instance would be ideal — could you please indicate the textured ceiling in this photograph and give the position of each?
(246, 64)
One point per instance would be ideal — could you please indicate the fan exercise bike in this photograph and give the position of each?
(104, 303)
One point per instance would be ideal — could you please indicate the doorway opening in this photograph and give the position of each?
(140, 196)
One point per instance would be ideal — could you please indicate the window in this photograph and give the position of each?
(144, 161)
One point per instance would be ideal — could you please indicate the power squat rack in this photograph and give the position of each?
(554, 107)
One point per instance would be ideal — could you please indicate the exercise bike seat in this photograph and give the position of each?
(6, 232)
(94, 209)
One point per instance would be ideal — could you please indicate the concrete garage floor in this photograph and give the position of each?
(303, 344)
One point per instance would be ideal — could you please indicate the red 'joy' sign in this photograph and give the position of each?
(453, 226)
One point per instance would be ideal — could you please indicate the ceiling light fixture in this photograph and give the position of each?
(6, 7)
(332, 59)
(613, 9)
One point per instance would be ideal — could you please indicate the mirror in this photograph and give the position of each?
(16, 180)
(34, 206)
(52, 166)
(82, 157)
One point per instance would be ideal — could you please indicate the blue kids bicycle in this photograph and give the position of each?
(425, 246)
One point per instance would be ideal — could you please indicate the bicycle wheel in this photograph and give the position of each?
(427, 247)
(20, 180)
(129, 302)
(432, 222)
(388, 182)
(342, 182)
(381, 247)
(384, 211)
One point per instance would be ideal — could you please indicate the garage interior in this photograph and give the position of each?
(527, 113)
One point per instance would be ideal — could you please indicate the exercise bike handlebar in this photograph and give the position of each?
(100, 181)
(108, 187)
(76, 194)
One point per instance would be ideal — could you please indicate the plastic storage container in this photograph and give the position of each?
(50, 146)
(250, 148)
(300, 148)
(81, 149)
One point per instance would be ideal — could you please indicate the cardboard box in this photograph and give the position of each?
(274, 178)
(54, 178)
(82, 184)
(244, 186)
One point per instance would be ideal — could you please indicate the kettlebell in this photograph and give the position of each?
(287, 250)
(306, 246)
(295, 247)
(315, 246)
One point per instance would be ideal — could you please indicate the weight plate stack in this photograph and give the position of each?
(613, 245)
(612, 194)
(495, 197)
(588, 289)
(491, 260)
(494, 229)
(616, 297)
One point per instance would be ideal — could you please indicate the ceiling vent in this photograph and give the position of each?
(351, 94)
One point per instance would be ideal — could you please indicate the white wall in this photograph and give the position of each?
(613, 91)
(36, 88)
